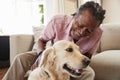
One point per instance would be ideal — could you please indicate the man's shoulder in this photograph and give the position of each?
(97, 33)
(99, 30)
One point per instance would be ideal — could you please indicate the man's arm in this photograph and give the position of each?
(41, 47)
(96, 44)
(41, 44)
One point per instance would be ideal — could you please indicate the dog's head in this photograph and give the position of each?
(66, 57)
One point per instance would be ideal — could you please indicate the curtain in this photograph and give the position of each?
(18, 16)
(58, 6)
(15, 16)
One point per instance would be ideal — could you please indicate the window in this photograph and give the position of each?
(19, 16)
(38, 12)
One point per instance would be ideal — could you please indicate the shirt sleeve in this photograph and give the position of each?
(95, 47)
(96, 44)
(48, 32)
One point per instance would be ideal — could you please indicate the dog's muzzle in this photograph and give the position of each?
(77, 72)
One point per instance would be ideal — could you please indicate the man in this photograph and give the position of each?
(81, 28)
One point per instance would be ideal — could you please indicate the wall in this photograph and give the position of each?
(69, 6)
(54, 7)
(112, 11)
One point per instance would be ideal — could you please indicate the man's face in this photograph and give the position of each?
(83, 25)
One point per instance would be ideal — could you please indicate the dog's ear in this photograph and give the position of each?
(48, 56)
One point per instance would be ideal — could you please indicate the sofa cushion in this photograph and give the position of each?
(106, 65)
(111, 37)
(37, 31)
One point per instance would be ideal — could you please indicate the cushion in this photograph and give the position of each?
(111, 37)
(106, 65)
(37, 31)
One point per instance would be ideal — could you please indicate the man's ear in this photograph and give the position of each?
(47, 55)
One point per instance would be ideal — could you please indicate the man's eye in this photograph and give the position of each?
(88, 31)
(69, 49)
(80, 26)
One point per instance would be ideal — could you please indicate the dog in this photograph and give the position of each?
(59, 62)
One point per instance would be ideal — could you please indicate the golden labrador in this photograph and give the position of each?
(59, 62)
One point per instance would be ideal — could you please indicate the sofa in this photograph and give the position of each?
(105, 62)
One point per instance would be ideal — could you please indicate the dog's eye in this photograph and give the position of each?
(69, 49)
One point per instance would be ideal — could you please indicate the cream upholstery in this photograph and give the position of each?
(111, 37)
(20, 43)
(105, 63)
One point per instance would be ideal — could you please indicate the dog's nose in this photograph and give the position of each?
(86, 61)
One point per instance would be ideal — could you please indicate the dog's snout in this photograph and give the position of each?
(86, 61)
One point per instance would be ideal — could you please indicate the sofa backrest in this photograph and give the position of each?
(110, 39)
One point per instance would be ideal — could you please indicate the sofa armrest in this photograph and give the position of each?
(106, 65)
(19, 44)
(110, 39)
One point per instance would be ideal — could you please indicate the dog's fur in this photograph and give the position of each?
(59, 62)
